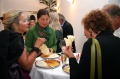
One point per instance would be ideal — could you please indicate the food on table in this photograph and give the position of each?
(52, 55)
(45, 50)
(41, 64)
(69, 40)
(67, 68)
(45, 56)
(46, 53)
(48, 63)
(52, 63)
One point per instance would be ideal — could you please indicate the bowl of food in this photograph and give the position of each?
(66, 68)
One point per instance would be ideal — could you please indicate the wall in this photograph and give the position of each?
(74, 14)
(0, 7)
(1, 26)
(115, 2)
(24, 5)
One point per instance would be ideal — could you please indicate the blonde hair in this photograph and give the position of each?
(54, 21)
(10, 17)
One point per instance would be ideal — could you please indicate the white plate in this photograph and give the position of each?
(52, 56)
(40, 63)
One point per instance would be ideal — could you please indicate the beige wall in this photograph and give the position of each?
(0, 7)
(75, 12)
(25, 5)
(1, 26)
(115, 2)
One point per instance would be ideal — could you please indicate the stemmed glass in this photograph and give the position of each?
(62, 45)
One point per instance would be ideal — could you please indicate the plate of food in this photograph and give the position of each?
(46, 53)
(66, 68)
(48, 63)
(50, 56)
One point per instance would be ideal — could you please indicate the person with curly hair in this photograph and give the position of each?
(98, 25)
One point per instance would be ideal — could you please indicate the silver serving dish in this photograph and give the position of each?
(66, 68)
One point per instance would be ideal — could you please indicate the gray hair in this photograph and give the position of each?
(61, 17)
(112, 9)
(54, 21)
(10, 17)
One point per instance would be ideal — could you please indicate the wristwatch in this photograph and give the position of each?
(37, 50)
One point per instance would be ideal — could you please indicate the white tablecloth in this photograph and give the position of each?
(41, 73)
(56, 73)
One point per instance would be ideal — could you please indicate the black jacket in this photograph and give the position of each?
(110, 49)
(11, 48)
(68, 30)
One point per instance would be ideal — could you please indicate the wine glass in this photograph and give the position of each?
(62, 45)
(63, 56)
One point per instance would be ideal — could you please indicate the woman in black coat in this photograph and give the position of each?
(97, 24)
(15, 61)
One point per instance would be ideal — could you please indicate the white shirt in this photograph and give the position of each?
(117, 32)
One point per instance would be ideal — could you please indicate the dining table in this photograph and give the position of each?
(50, 73)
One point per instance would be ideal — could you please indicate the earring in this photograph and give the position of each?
(90, 34)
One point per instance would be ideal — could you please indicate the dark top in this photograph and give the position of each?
(59, 36)
(11, 48)
(110, 49)
(68, 30)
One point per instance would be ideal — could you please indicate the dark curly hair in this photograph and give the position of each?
(97, 20)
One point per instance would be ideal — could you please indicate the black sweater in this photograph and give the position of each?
(110, 49)
(11, 48)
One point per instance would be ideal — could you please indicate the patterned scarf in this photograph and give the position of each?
(43, 33)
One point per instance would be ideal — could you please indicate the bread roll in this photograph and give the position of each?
(44, 49)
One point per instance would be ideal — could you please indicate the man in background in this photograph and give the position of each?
(114, 11)
(67, 29)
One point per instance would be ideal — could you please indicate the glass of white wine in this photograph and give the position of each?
(62, 46)
(63, 58)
